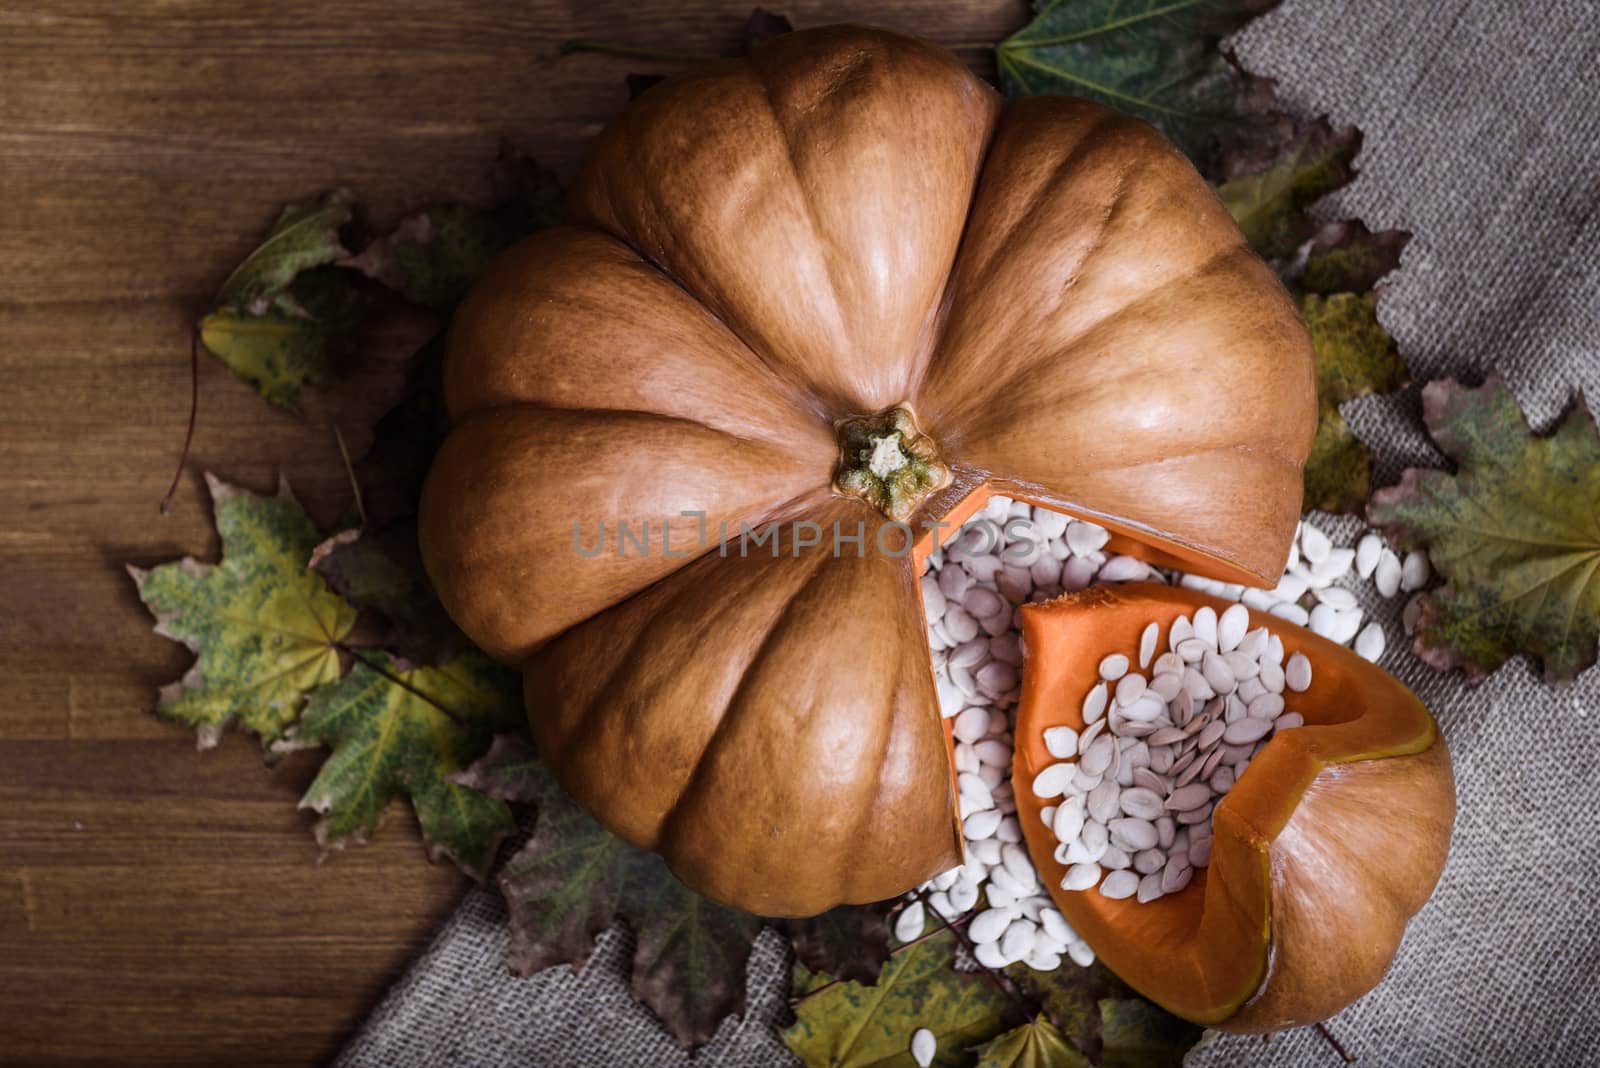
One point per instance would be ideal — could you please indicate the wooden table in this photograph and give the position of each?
(159, 905)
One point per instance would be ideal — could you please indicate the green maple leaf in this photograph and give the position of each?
(379, 571)
(1038, 1044)
(1515, 533)
(280, 320)
(852, 1025)
(1105, 1018)
(294, 341)
(849, 942)
(1135, 1033)
(264, 628)
(398, 731)
(305, 236)
(1355, 357)
(1346, 257)
(573, 879)
(433, 257)
(555, 917)
(1155, 59)
(1270, 205)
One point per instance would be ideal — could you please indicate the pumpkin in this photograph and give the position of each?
(1327, 844)
(836, 293)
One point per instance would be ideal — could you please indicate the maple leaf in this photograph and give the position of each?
(1347, 257)
(510, 770)
(848, 942)
(1355, 357)
(1105, 1018)
(1270, 205)
(380, 572)
(264, 628)
(1154, 59)
(1037, 1044)
(282, 317)
(573, 879)
(852, 1025)
(1135, 1033)
(1515, 533)
(305, 236)
(404, 731)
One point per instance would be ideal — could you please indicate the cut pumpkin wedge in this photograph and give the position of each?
(1328, 843)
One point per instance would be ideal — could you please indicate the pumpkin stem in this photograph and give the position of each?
(887, 461)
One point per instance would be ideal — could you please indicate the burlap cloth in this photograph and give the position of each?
(1483, 138)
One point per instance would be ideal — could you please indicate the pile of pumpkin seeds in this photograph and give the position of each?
(1138, 784)
(1007, 554)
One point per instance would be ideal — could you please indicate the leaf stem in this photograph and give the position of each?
(999, 978)
(350, 471)
(360, 654)
(1344, 1054)
(194, 407)
(656, 55)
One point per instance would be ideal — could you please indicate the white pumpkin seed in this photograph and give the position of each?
(1267, 706)
(1094, 703)
(1271, 676)
(1368, 549)
(1181, 630)
(1116, 858)
(1120, 884)
(1142, 802)
(1130, 688)
(1113, 667)
(1217, 673)
(1097, 758)
(1123, 569)
(1147, 644)
(1314, 544)
(981, 824)
(1078, 877)
(1370, 642)
(1292, 612)
(971, 725)
(1337, 597)
(1176, 874)
(1104, 801)
(1052, 781)
(1297, 673)
(910, 922)
(1416, 571)
(1288, 721)
(1059, 742)
(923, 1047)
(1243, 667)
(1388, 574)
(1231, 627)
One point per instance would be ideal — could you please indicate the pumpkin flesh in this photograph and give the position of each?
(1331, 839)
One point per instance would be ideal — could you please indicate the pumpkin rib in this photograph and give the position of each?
(514, 340)
(718, 734)
(1038, 206)
(1069, 347)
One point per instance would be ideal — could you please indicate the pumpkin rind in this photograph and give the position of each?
(1331, 840)
(760, 251)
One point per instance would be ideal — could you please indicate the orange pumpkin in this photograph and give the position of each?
(1328, 843)
(833, 286)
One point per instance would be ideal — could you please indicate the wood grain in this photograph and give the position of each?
(159, 905)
